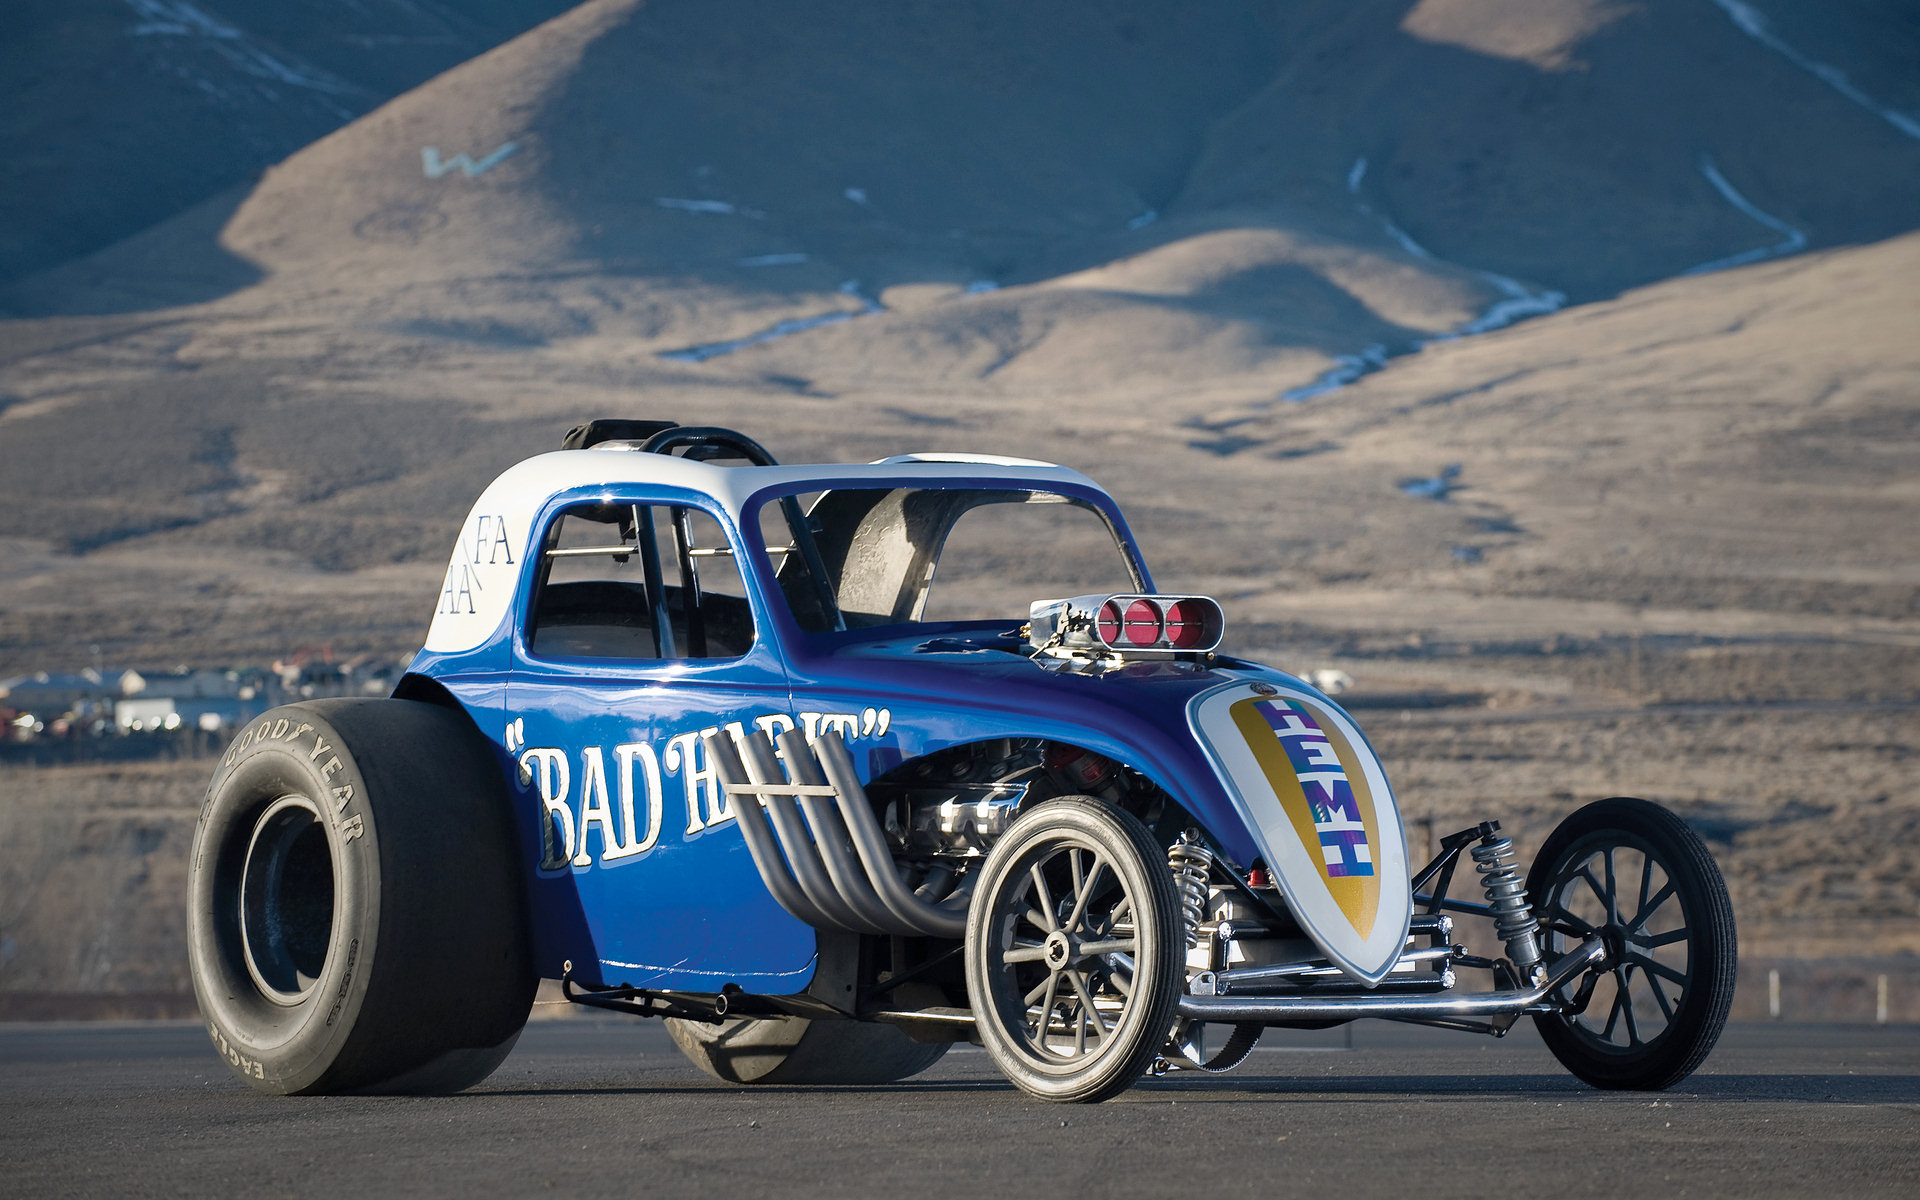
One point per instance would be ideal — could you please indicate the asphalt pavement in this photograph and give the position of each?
(596, 1107)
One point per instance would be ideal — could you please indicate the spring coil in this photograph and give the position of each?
(1191, 861)
(1507, 895)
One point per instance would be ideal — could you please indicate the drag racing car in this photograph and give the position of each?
(832, 766)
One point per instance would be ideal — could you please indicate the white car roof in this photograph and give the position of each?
(484, 568)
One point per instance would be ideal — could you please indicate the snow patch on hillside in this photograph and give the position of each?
(781, 329)
(1794, 241)
(1751, 22)
(1518, 303)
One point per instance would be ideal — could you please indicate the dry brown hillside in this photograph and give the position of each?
(1186, 212)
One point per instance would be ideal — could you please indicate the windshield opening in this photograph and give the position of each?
(905, 556)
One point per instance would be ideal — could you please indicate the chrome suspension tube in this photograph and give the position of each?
(1400, 1007)
(1237, 979)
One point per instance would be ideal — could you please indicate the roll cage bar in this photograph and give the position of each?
(704, 443)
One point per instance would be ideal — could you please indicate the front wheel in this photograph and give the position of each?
(1637, 876)
(1074, 950)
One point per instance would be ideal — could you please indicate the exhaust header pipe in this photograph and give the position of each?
(815, 841)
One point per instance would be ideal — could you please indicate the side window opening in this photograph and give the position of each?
(811, 602)
(636, 581)
(902, 556)
(998, 558)
(709, 609)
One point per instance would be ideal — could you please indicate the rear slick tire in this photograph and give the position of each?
(355, 915)
(796, 1050)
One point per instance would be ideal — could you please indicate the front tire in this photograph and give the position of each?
(1074, 951)
(355, 917)
(1635, 874)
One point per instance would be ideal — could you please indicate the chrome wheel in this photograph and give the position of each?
(1071, 950)
(1076, 981)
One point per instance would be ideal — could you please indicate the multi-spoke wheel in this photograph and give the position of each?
(1073, 951)
(1638, 877)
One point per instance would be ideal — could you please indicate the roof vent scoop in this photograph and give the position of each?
(613, 429)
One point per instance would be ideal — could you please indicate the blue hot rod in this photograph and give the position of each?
(832, 766)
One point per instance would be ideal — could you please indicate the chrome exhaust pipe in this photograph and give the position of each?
(830, 836)
(816, 843)
(948, 918)
(762, 842)
(802, 851)
(938, 884)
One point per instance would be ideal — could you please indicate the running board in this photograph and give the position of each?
(1235, 1009)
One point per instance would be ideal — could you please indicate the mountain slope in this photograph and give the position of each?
(123, 113)
(1128, 238)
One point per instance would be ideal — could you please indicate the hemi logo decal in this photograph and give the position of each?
(1322, 788)
(1336, 815)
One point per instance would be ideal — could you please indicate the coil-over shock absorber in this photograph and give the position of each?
(1507, 896)
(1191, 860)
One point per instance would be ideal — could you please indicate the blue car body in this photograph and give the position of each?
(637, 871)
